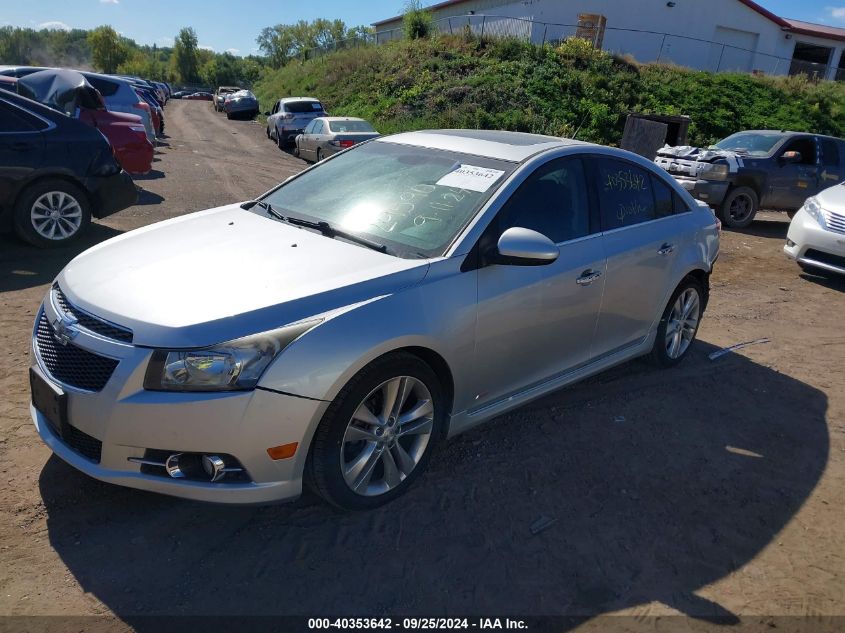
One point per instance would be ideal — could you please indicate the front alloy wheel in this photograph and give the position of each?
(377, 435)
(387, 436)
(51, 213)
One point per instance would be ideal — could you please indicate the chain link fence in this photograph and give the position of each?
(642, 45)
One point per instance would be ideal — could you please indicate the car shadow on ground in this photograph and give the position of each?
(24, 266)
(145, 197)
(826, 279)
(656, 483)
(153, 174)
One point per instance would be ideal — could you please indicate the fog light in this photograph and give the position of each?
(790, 243)
(213, 466)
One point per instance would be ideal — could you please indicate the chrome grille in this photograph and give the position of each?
(834, 221)
(89, 321)
(70, 364)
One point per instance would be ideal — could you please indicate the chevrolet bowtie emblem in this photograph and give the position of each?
(63, 330)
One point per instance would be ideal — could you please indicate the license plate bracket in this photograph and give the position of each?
(50, 401)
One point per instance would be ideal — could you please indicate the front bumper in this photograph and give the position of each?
(130, 422)
(807, 236)
(709, 191)
(111, 193)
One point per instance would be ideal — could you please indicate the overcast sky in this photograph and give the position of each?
(234, 25)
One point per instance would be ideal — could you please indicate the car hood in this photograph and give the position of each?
(833, 198)
(224, 273)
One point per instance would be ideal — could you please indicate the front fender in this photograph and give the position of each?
(438, 315)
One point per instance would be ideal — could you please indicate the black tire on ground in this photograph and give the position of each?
(319, 155)
(791, 214)
(229, 115)
(296, 149)
(280, 140)
(739, 207)
(323, 471)
(22, 220)
(659, 354)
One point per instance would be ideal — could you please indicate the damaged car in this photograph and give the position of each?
(756, 169)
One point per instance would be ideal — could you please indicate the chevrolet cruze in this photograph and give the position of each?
(335, 330)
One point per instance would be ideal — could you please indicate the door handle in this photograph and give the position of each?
(666, 249)
(588, 277)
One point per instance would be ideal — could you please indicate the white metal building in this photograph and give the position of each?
(737, 35)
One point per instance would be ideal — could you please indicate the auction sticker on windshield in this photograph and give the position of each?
(471, 177)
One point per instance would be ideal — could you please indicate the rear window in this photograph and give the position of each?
(302, 107)
(14, 119)
(350, 126)
(107, 88)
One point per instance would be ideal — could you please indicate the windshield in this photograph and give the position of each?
(350, 126)
(300, 107)
(412, 199)
(751, 143)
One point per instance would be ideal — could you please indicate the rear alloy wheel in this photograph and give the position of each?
(739, 208)
(679, 324)
(378, 434)
(51, 213)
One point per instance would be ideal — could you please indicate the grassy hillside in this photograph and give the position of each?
(466, 82)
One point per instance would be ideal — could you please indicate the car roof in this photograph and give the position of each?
(511, 146)
(287, 99)
(341, 118)
(785, 133)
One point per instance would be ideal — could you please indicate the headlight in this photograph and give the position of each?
(814, 210)
(710, 171)
(232, 366)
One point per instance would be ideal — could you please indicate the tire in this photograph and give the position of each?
(280, 141)
(739, 207)
(319, 155)
(335, 463)
(267, 130)
(38, 199)
(791, 214)
(663, 353)
(296, 149)
(229, 115)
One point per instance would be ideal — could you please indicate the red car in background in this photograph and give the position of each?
(69, 92)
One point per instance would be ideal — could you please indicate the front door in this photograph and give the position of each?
(792, 183)
(535, 322)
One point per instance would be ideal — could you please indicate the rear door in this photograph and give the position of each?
(21, 149)
(792, 183)
(642, 241)
(831, 163)
(535, 322)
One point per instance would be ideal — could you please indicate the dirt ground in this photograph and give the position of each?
(716, 489)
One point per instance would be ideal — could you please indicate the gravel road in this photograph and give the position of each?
(714, 489)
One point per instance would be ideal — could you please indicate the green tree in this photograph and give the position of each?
(107, 50)
(417, 22)
(186, 60)
(283, 42)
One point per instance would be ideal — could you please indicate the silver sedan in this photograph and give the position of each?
(326, 136)
(338, 328)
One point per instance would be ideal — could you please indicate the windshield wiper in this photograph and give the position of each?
(325, 228)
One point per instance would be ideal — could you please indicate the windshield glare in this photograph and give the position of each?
(751, 143)
(412, 199)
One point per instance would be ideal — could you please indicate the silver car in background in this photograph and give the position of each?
(816, 237)
(290, 116)
(240, 104)
(329, 135)
(393, 295)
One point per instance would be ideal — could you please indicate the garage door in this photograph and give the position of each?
(737, 52)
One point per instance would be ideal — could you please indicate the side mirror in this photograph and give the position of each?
(267, 113)
(791, 157)
(523, 247)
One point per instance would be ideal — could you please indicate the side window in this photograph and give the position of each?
(14, 119)
(318, 127)
(664, 202)
(804, 146)
(679, 204)
(830, 153)
(552, 201)
(309, 128)
(625, 194)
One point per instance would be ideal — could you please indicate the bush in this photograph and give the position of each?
(567, 90)
(417, 22)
